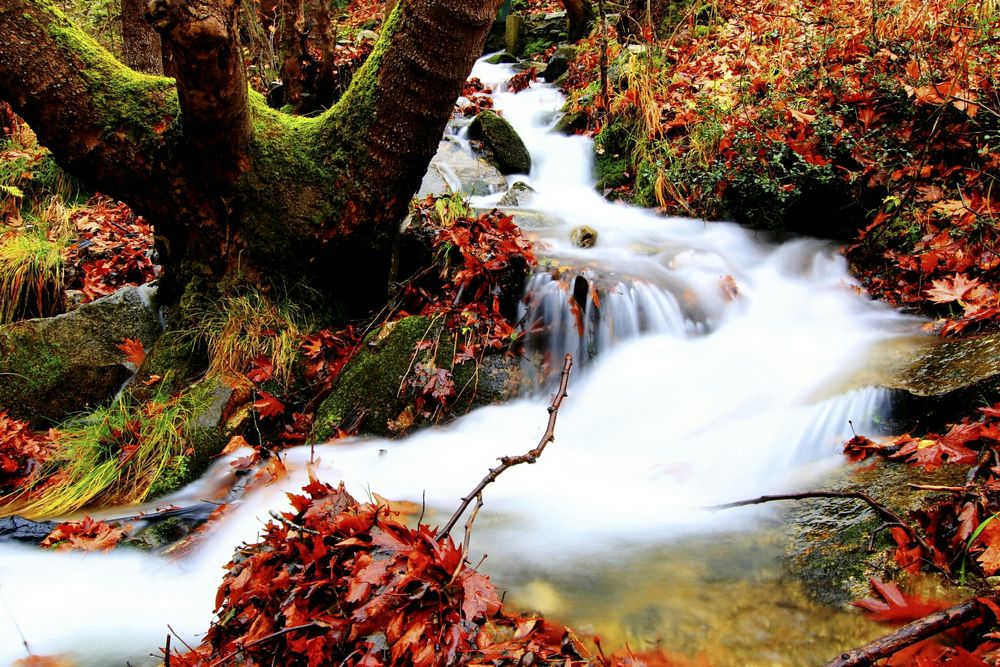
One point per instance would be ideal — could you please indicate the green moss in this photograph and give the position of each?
(374, 379)
(29, 365)
(141, 106)
(614, 145)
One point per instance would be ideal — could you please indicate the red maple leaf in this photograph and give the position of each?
(267, 405)
(134, 351)
(890, 605)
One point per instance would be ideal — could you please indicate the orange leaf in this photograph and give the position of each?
(135, 353)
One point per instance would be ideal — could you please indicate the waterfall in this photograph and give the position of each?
(715, 365)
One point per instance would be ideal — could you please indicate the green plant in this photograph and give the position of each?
(245, 326)
(113, 455)
(32, 272)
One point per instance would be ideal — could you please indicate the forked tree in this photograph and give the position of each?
(236, 191)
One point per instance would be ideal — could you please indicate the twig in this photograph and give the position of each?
(24, 640)
(508, 461)
(232, 654)
(166, 652)
(909, 634)
(472, 520)
(936, 487)
(291, 524)
(884, 513)
(174, 633)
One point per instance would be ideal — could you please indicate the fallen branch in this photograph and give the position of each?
(910, 634)
(883, 512)
(509, 461)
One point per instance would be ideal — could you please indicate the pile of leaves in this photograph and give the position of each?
(22, 453)
(481, 261)
(851, 119)
(85, 535)
(114, 248)
(339, 581)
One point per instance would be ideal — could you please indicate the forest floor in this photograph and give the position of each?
(875, 124)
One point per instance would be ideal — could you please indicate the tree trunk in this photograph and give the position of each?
(580, 14)
(236, 190)
(141, 46)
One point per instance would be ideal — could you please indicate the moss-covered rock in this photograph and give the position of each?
(502, 58)
(936, 380)
(613, 146)
(571, 123)
(499, 140)
(51, 367)
(375, 383)
(835, 544)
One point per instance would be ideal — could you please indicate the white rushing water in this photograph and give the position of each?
(696, 397)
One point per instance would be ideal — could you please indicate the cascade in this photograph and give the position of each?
(716, 365)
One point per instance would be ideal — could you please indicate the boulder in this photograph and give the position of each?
(373, 392)
(18, 529)
(54, 366)
(500, 141)
(455, 169)
(555, 68)
(519, 194)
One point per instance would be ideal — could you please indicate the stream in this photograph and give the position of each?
(712, 365)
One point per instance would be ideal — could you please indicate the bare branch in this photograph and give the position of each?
(509, 461)
(910, 634)
(883, 512)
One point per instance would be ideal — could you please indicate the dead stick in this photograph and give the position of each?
(509, 461)
(909, 634)
(884, 513)
(232, 654)
(936, 487)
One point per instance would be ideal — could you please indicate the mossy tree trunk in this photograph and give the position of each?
(236, 190)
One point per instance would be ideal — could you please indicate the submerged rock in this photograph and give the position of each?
(583, 236)
(836, 544)
(501, 142)
(455, 169)
(54, 366)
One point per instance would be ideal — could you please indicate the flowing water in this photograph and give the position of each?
(712, 366)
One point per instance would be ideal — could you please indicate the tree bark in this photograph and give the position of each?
(141, 48)
(580, 14)
(233, 188)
